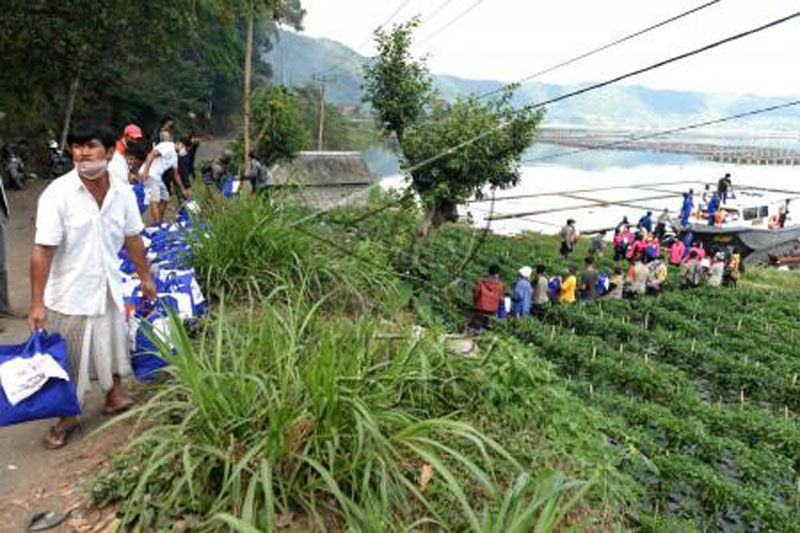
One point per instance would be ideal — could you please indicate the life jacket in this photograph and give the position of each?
(488, 294)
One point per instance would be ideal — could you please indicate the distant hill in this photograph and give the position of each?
(296, 58)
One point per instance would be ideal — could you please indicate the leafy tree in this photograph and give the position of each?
(501, 135)
(63, 44)
(397, 85)
(450, 152)
(277, 119)
(124, 60)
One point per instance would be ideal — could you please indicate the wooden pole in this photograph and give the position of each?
(72, 95)
(248, 72)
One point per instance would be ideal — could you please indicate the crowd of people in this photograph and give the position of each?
(165, 165)
(642, 254)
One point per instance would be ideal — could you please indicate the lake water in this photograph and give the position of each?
(579, 185)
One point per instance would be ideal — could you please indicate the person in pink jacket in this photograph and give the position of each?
(699, 251)
(676, 252)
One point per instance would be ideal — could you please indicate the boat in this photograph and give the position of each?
(751, 224)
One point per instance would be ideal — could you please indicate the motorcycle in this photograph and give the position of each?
(60, 163)
(15, 170)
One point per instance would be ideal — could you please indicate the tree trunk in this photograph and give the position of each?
(72, 95)
(441, 212)
(248, 71)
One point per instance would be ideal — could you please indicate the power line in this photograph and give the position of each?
(451, 22)
(394, 14)
(602, 84)
(605, 47)
(436, 11)
(366, 41)
(663, 133)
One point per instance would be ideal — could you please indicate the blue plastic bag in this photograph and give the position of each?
(603, 284)
(189, 299)
(145, 356)
(138, 190)
(229, 186)
(56, 398)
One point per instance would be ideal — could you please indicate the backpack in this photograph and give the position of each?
(554, 288)
(488, 295)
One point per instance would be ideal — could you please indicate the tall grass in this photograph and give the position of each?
(249, 246)
(284, 412)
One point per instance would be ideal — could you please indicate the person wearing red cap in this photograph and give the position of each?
(132, 132)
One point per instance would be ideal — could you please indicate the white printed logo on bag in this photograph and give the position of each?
(23, 377)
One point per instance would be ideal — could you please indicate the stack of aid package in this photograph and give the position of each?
(168, 253)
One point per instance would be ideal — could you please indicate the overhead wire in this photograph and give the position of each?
(452, 21)
(367, 40)
(436, 11)
(599, 49)
(599, 85)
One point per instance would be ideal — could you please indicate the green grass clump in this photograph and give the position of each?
(284, 411)
(249, 246)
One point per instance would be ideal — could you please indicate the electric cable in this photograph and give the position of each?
(604, 47)
(366, 41)
(452, 21)
(599, 85)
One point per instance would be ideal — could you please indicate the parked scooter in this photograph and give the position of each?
(13, 166)
(60, 163)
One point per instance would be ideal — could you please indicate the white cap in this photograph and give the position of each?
(525, 272)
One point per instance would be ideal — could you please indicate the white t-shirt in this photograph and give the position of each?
(118, 169)
(85, 267)
(168, 159)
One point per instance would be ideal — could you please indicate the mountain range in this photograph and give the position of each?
(297, 58)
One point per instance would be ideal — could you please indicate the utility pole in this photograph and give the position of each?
(322, 79)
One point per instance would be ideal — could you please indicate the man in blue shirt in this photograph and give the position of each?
(522, 293)
(646, 222)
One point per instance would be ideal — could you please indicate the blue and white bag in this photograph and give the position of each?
(35, 382)
(230, 186)
(182, 286)
(146, 358)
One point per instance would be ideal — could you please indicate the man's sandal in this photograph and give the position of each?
(109, 411)
(56, 438)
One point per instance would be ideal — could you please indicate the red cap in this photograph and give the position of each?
(133, 131)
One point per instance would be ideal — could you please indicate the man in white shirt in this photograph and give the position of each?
(83, 219)
(161, 158)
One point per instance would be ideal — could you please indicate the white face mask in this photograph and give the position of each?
(182, 152)
(92, 170)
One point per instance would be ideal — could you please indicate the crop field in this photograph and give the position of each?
(320, 394)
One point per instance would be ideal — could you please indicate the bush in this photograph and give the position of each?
(250, 246)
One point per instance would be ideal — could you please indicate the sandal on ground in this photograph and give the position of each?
(56, 438)
(120, 408)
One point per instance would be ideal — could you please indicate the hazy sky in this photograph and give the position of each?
(510, 39)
